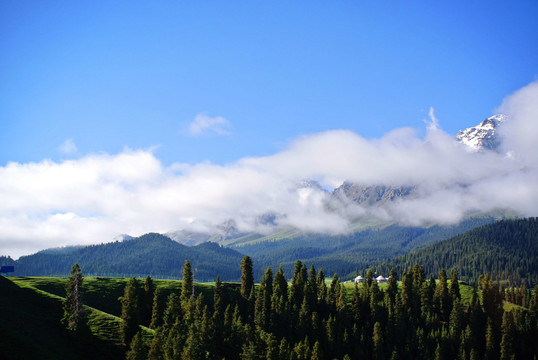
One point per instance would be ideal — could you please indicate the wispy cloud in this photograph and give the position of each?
(203, 124)
(68, 147)
(97, 197)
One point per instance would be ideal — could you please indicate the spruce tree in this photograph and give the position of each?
(156, 347)
(454, 285)
(74, 318)
(172, 312)
(507, 342)
(187, 284)
(137, 350)
(247, 278)
(147, 301)
(317, 352)
(129, 311)
(157, 310)
(378, 341)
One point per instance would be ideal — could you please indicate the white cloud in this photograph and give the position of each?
(97, 197)
(433, 124)
(203, 124)
(68, 147)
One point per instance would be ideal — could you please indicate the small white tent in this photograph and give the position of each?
(358, 279)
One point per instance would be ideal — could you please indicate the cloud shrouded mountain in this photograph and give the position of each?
(98, 196)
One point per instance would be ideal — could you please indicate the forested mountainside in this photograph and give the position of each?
(159, 256)
(152, 254)
(347, 254)
(507, 250)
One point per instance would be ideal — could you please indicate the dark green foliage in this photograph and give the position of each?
(74, 318)
(507, 250)
(247, 278)
(187, 282)
(147, 301)
(130, 312)
(153, 254)
(137, 350)
(30, 326)
(424, 320)
(344, 254)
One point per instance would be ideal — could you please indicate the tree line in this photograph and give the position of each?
(309, 319)
(507, 250)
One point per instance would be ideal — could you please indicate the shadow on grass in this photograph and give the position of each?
(30, 328)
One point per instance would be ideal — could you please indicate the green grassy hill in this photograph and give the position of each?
(30, 327)
(32, 308)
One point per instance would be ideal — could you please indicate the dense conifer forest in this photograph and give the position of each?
(153, 254)
(507, 250)
(310, 319)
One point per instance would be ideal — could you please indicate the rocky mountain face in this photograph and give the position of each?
(483, 136)
(224, 231)
(370, 195)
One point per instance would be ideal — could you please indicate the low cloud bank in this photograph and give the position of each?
(97, 197)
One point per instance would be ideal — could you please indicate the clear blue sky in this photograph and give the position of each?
(136, 73)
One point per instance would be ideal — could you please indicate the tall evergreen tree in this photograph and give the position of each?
(454, 285)
(129, 311)
(74, 318)
(147, 301)
(156, 347)
(297, 284)
(157, 309)
(187, 282)
(247, 278)
(508, 330)
(378, 341)
(137, 350)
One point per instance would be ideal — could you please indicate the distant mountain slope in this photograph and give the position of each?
(150, 254)
(507, 249)
(346, 254)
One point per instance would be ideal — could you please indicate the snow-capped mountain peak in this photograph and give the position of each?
(484, 135)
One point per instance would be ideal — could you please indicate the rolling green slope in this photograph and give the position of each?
(508, 250)
(30, 328)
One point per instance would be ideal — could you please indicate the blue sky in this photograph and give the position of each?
(137, 116)
(109, 75)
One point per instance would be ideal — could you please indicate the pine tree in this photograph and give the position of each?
(392, 288)
(156, 347)
(284, 349)
(138, 350)
(298, 282)
(491, 352)
(378, 341)
(74, 318)
(187, 283)
(129, 311)
(454, 285)
(147, 301)
(317, 352)
(247, 279)
(507, 342)
(172, 312)
(157, 310)
(441, 297)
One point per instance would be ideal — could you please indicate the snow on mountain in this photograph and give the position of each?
(484, 135)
